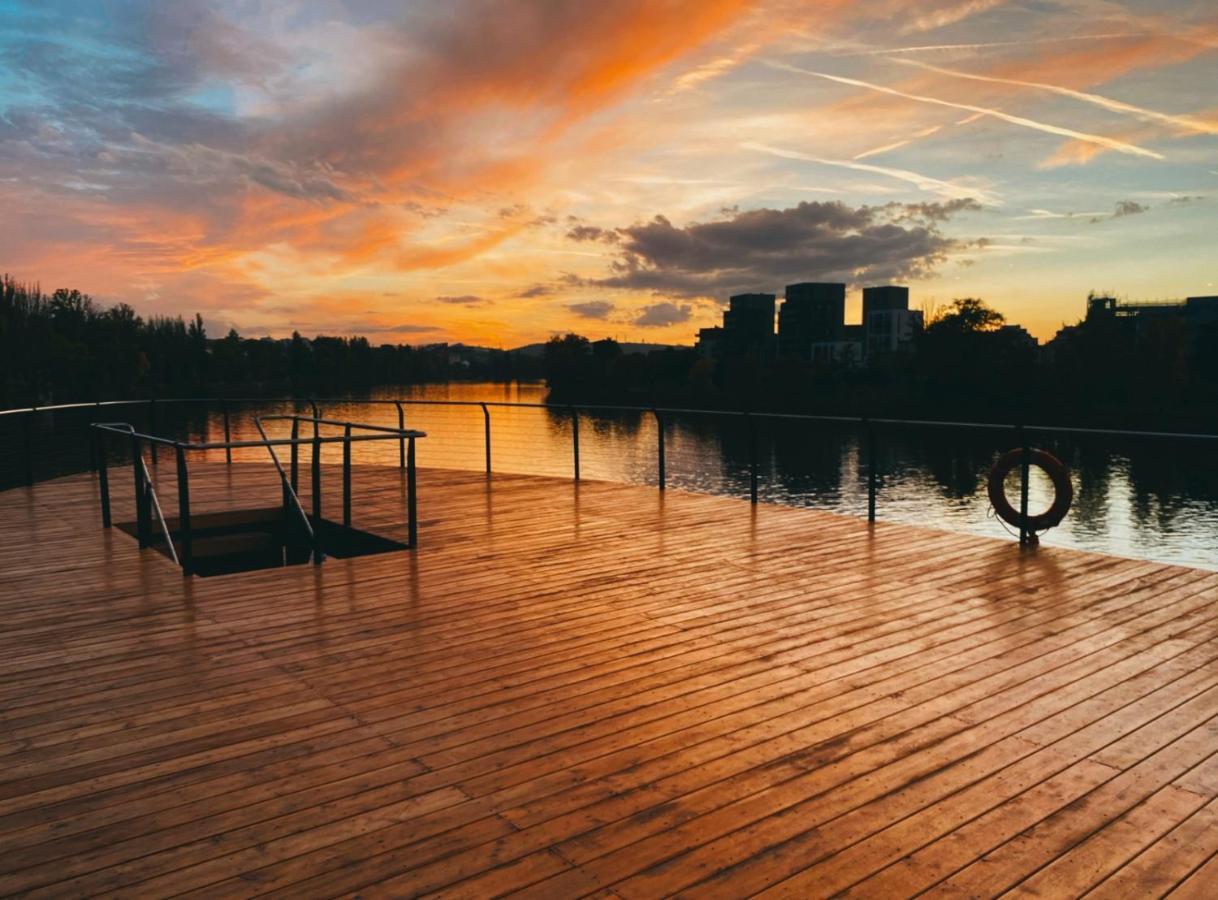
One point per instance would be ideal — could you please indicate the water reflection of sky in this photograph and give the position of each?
(1143, 501)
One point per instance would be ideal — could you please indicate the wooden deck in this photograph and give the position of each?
(598, 690)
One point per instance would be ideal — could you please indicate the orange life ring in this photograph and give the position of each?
(1063, 490)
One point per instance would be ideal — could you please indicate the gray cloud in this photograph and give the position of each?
(463, 300)
(1123, 208)
(537, 290)
(932, 212)
(770, 247)
(592, 233)
(592, 309)
(1129, 208)
(657, 315)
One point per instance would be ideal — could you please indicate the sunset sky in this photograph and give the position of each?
(496, 171)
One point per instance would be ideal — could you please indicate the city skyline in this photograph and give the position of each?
(496, 173)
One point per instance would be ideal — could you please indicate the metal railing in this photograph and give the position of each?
(291, 501)
(869, 431)
(146, 502)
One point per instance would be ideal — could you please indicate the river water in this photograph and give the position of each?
(1132, 498)
(1136, 499)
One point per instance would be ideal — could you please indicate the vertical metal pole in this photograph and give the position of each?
(228, 451)
(401, 438)
(141, 522)
(316, 480)
(486, 432)
(872, 479)
(316, 415)
(152, 426)
(92, 439)
(347, 476)
(185, 536)
(752, 457)
(575, 437)
(661, 465)
(412, 517)
(28, 439)
(295, 454)
(1025, 459)
(103, 477)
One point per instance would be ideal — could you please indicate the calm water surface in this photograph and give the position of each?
(1139, 499)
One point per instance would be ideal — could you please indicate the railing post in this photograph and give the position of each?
(141, 513)
(1025, 459)
(661, 465)
(103, 476)
(872, 480)
(316, 479)
(228, 451)
(401, 439)
(347, 476)
(92, 441)
(28, 441)
(748, 417)
(486, 432)
(186, 537)
(574, 438)
(316, 414)
(295, 454)
(152, 426)
(412, 515)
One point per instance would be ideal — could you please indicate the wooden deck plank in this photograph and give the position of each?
(592, 689)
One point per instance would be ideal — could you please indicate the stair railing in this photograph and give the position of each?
(146, 501)
(290, 498)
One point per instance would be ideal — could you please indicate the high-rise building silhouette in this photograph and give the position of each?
(812, 313)
(710, 342)
(748, 324)
(889, 325)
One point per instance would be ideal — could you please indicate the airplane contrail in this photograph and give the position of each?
(1098, 139)
(1186, 122)
(925, 182)
(896, 145)
(876, 151)
(989, 45)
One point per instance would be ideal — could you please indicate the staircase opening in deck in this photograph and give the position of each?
(251, 539)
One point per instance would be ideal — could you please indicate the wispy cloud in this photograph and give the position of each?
(1048, 214)
(938, 18)
(1187, 123)
(991, 45)
(1097, 139)
(925, 182)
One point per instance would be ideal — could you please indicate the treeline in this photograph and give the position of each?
(963, 366)
(63, 347)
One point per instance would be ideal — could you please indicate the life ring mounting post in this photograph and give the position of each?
(1028, 524)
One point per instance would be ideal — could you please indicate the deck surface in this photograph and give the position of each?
(597, 690)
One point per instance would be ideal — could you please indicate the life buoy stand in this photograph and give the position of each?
(1063, 490)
